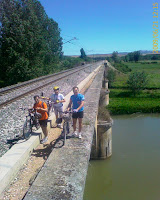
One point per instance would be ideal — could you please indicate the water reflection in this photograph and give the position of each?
(133, 171)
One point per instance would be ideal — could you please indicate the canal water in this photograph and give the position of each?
(133, 171)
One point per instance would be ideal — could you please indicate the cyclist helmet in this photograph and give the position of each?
(56, 88)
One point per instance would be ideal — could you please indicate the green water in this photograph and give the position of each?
(133, 171)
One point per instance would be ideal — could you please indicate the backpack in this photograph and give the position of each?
(48, 112)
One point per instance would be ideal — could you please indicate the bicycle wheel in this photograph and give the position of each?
(64, 131)
(27, 129)
(67, 127)
(49, 110)
(38, 125)
(49, 106)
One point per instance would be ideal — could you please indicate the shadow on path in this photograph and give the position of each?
(47, 148)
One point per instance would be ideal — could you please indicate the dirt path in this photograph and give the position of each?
(29, 171)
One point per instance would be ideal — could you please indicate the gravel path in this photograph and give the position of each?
(12, 118)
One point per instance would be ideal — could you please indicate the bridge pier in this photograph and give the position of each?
(102, 141)
(106, 84)
(105, 97)
(94, 149)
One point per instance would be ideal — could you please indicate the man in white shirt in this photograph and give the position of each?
(57, 99)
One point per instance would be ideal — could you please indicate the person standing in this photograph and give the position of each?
(41, 107)
(57, 99)
(77, 103)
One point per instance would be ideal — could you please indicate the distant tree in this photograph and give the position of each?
(130, 56)
(136, 56)
(115, 57)
(133, 56)
(137, 81)
(109, 59)
(83, 54)
(153, 57)
(69, 62)
(127, 58)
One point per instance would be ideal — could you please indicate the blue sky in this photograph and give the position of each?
(103, 26)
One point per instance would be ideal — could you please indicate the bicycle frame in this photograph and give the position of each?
(49, 106)
(66, 124)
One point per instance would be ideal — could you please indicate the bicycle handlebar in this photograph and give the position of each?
(65, 112)
(48, 99)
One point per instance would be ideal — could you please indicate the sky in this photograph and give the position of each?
(103, 26)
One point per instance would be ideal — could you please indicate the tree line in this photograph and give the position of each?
(132, 57)
(30, 41)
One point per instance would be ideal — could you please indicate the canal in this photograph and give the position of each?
(133, 171)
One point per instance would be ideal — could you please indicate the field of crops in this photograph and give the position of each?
(152, 70)
(122, 100)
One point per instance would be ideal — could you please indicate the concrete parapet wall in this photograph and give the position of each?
(108, 64)
(64, 173)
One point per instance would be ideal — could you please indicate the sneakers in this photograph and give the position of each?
(75, 133)
(80, 135)
(44, 140)
(59, 126)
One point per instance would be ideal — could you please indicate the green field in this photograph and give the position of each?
(152, 70)
(122, 100)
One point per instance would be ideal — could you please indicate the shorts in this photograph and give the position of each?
(43, 122)
(77, 115)
(58, 110)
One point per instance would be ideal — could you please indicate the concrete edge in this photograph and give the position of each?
(13, 159)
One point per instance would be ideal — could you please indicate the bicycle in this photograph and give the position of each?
(32, 120)
(66, 128)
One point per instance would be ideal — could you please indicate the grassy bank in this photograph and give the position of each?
(122, 100)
